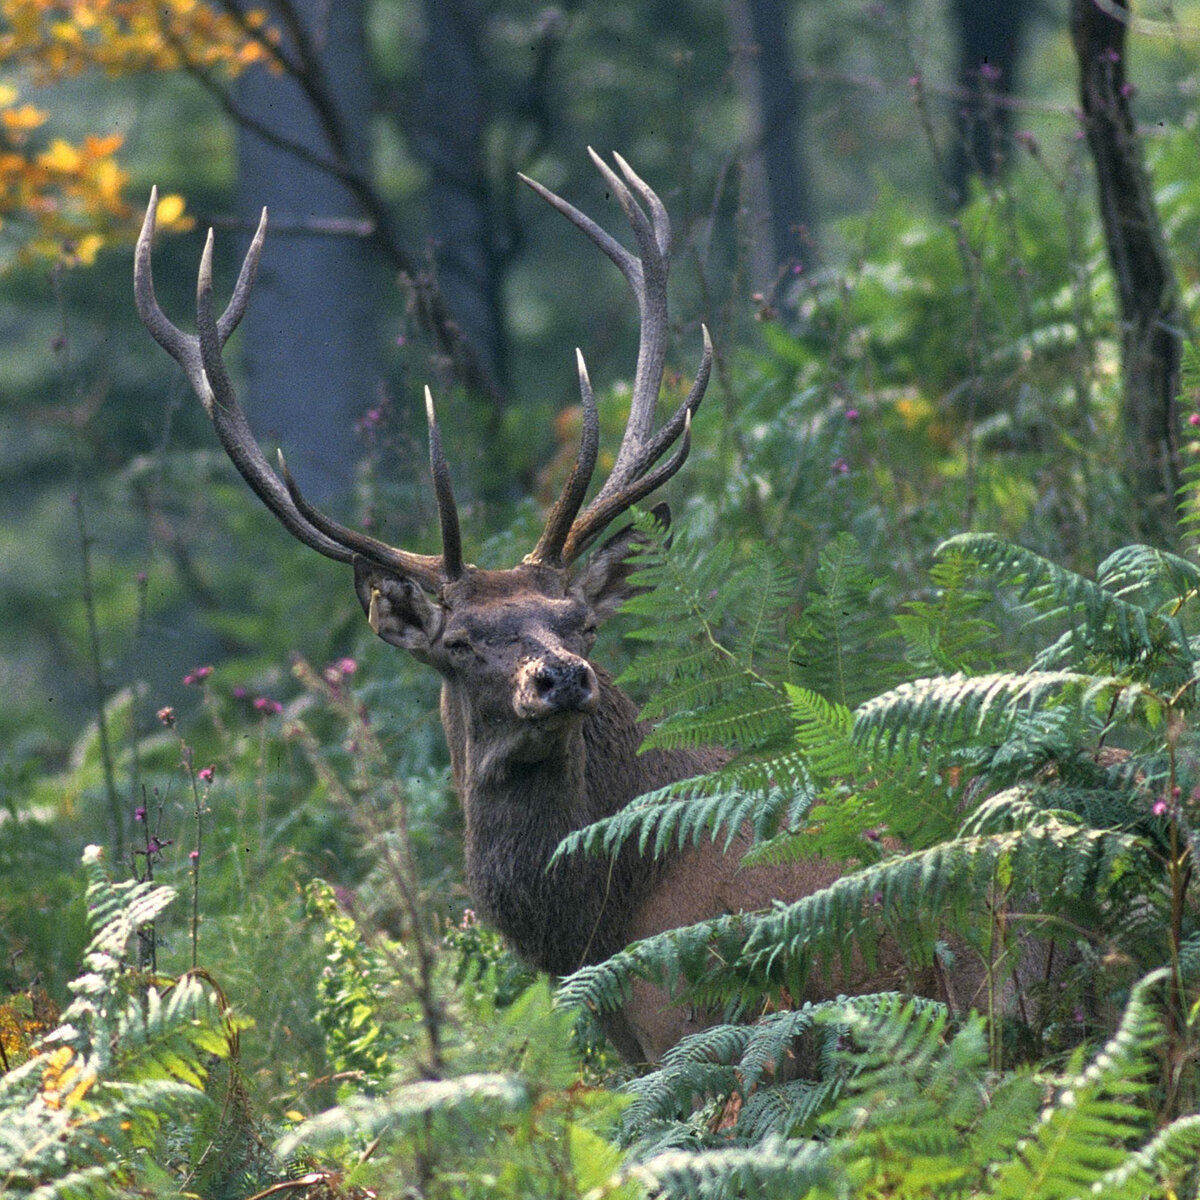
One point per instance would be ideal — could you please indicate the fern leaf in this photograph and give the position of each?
(774, 1168)
(1080, 1135)
(983, 709)
(1092, 612)
(838, 647)
(470, 1097)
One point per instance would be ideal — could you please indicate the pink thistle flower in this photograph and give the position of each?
(264, 704)
(1194, 419)
(139, 813)
(166, 716)
(1160, 807)
(198, 674)
(194, 855)
(205, 774)
(852, 414)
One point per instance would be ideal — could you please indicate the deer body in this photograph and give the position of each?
(541, 741)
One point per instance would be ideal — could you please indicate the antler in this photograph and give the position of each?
(200, 356)
(569, 532)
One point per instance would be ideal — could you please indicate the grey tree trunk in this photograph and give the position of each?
(778, 180)
(989, 47)
(310, 350)
(447, 128)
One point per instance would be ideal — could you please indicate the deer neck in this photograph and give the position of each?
(518, 807)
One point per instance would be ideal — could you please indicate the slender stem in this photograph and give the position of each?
(116, 816)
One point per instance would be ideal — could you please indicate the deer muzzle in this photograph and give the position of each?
(547, 687)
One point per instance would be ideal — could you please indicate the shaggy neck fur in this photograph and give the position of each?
(518, 810)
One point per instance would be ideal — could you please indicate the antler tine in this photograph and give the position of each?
(558, 524)
(600, 513)
(444, 492)
(185, 350)
(632, 476)
(200, 357)
(649, 286)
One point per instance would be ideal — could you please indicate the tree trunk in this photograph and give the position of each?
(989, 44)
(311, 333)
(778, 181)
(1146, 288)
(448, 126)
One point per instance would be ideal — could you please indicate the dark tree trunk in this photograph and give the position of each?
(311, 334)
(989, 45)
(777, 96)
(1146, 288)
(448, 125)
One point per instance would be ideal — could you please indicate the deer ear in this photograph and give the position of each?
(604, 580)
(398, 610)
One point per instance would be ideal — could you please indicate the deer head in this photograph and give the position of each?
(513, 642)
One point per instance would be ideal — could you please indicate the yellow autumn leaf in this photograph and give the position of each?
(8, 95)
(87, 247)
(171, 216)
(23, 118)
(170, 209)
(61, 156)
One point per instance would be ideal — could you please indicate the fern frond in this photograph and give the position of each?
(125, 1062)
(1081, 1134)
(1093, 612)
(837, 650)
(761, 793)
(822, 732)
(960, 709)
(947, 635)
(1170, 1154)
(774, 1168)
(750, 715)
(470, 1099)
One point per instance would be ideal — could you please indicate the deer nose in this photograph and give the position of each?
(555, 685)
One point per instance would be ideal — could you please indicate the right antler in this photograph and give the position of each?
(568, 532)
(200, 356)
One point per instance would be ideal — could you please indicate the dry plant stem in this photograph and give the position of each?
(198, 824)
(116, 816)
(371, 768)
(970, 265)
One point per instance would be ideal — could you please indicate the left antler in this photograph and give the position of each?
(634, 475)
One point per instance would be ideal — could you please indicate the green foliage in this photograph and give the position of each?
(918, 1113)
(487, 1102)
(985, 790)
(94, 1108)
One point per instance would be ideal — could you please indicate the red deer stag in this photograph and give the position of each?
(541, 740)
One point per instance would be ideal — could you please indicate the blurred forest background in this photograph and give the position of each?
(887, 213)
(831, 162)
